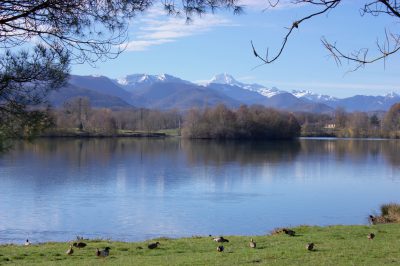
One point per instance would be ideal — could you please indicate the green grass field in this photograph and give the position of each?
(335, 245)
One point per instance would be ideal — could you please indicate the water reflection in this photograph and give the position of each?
(241, 152)
(54, 189)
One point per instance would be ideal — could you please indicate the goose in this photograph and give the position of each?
(70, 250)
(103, 253)
(289, 232)
(153, 245)
(371, 236)
(220, 239)
(79, 245)
(220, 248)
(27, 243)
(310, 246)
(252, 244)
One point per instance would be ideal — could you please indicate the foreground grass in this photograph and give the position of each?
(335, 245)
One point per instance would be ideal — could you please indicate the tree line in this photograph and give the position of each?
(78, 115)
(352, 124)
(219, 122)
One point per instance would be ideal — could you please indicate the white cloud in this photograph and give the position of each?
(142, 45)
(157, 28)
(266, 5)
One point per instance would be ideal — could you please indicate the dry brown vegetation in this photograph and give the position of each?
(390, 213)
(254, 122)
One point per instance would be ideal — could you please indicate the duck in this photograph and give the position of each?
(371, 236)
(310, 246)
(372, 219)
(103, 253)
(27, 243)
(289, 232)
(153, 245)
(79, 245)
(70, 250)
(220, 239)
(252, 244)
(220, 248)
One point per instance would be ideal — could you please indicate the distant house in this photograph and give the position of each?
(330, 126)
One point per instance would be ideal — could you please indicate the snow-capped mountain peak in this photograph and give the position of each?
(312, 96)
(229, 80)
(163, 77)
(391, 95)
(146, 78)
(225, 78)
(130, 82)
(301, 93)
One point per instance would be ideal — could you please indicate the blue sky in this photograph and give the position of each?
(221, 43)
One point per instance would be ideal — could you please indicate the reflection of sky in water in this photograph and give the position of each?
(132, 189)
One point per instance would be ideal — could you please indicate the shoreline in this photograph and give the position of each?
(75, 133)
(339, 245)
(164, 135)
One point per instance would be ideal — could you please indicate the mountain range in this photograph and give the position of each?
(168, 92)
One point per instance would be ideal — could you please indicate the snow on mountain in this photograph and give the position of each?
(266, 91)
(227, 79)
(162, 91)
(133, 81)
(306, 94)
(391, 95)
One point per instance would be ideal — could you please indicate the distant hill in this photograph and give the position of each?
(57, 98)
(178, 95)
(367, 103)
(99, 84)
(238, 93)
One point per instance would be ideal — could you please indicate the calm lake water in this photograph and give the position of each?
(136, 189)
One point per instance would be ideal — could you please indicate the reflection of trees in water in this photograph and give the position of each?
(392, 152)
(353, 149)
(242, 152)
(80, 152)
(144, 163)
(100, 150)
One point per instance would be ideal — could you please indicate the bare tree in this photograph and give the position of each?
(359, 57)
(79, 111)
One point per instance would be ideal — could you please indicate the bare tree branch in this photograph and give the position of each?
(295, 25)
(389, 46)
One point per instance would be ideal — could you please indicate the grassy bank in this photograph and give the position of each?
(335, 245)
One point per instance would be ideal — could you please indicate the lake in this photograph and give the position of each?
(136, 189)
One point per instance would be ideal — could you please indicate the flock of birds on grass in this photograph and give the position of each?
(252, 244)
